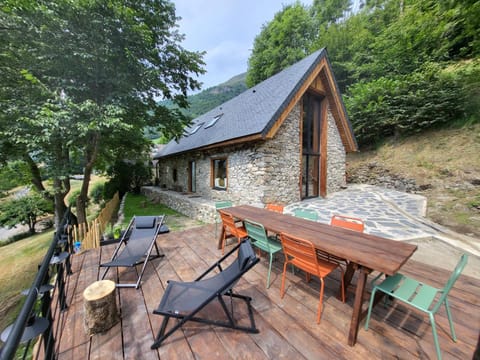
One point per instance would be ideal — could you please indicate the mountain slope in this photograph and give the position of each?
(442, 165)
(208, 99)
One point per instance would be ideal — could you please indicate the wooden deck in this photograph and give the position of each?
(287, 326)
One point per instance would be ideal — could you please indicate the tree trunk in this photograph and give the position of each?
(90, 157)
(60, 208)
(36, 177)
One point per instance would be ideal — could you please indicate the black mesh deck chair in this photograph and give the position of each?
(184, 300)
(136, 245)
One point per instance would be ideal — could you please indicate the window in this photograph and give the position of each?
(219, 174)
(311, 127)
(193, 130)
(213, 121)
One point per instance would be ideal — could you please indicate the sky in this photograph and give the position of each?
(225, 29)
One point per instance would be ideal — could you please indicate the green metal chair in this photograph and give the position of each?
(308, 214)
(220, 205)
(421, 296)
(258, 235)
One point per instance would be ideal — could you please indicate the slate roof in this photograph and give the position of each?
(253, 112)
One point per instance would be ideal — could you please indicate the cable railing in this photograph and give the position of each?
(45, 301)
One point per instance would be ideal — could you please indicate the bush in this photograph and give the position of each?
(127, 177)
(404, 105)
(72, 198)
(26, 209)
(96, 192)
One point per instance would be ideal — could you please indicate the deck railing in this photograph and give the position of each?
(45, 301)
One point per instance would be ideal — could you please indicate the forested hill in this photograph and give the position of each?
(208, 99)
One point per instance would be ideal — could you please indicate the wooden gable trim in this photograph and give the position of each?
(321, 81)
(337, 110)
(296, 98)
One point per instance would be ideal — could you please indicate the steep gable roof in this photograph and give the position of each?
(259, 111)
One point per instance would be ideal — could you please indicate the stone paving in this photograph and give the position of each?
(391, 214)
(387, 213)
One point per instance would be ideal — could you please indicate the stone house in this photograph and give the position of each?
(281, 141)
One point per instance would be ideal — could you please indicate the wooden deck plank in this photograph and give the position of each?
(287, 326)
(110, 343)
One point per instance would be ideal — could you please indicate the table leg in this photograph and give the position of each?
(220, 239)
(357, 305)
(347, 278)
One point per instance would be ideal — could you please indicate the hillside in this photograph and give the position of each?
(210, 98)
(443, 165)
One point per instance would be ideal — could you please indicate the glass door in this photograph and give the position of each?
(311, 131)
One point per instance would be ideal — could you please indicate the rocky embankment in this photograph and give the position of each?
(375, 174)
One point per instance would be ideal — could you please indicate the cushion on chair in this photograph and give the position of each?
(145, 222)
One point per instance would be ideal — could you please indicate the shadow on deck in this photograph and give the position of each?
(287, 326)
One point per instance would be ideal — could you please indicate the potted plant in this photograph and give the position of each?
(117, 232)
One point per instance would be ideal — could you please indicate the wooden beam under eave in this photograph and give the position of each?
(334, 99)
(296, 98)
(237, 141)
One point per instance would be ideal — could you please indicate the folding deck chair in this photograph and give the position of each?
(183, 300)
(136, 245)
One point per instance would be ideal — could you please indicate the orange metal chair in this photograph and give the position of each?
(302, 254)
(231, 229)
(348, 222)
(275, 207)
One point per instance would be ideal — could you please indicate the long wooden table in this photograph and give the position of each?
(364, 252)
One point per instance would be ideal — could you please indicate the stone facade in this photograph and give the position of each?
(257, 172)
(336, 158)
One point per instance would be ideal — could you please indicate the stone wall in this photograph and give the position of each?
(336, 158)
(258, 172)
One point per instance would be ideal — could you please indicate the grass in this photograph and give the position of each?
(137, 204)
(20, 259)
(447, 161)
(18, 268)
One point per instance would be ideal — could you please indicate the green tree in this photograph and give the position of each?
(127, 176)
(328, 12)
(24, 210)
(90, 74)
(282, 42)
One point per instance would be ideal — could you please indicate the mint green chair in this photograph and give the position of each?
(308, 214)
(258, 236)
(421, 296)
(220, 205)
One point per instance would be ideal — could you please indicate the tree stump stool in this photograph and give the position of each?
(100, 307)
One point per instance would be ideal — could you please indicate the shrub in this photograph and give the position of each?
(96, 192)
(72, 198)
(405, 104)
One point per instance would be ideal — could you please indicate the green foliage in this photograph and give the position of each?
(72, 198)
(13, 174)
(80, 81)
(404, 105)
(96, 192)
(127, 176)
(282, 42)
(24, 210)
(390, 60)
(208, 99)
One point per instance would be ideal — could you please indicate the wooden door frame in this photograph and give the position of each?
(323, 156)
